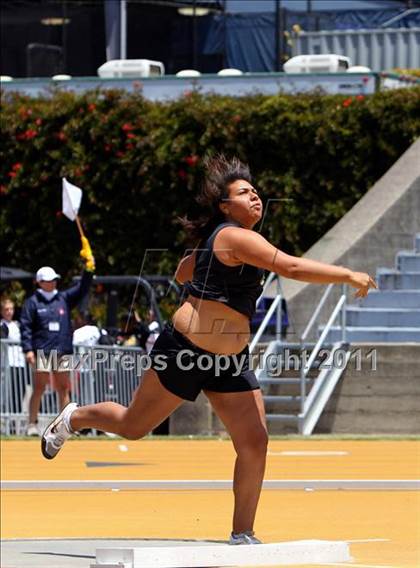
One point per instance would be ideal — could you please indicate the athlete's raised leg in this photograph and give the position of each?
(151, 404)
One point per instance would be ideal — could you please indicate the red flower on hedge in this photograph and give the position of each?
(92, 107)
(77, 172)
(3, 190)
(29, 134)
(16, 166)
(127, 127)
(58, 214)
(107, 148)
(61, 136)
(129, 146)
(191, 160)
(12, 174)
(236, 118)
(38, 121)
(120, 154)
(360, 97)
(130, 135)
(182, 174)
(347, 102)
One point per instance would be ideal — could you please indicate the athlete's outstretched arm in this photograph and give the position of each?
(251, 248)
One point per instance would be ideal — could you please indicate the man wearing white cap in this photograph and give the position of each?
(46, 327)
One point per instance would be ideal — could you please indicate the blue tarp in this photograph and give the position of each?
(267, 6)
(248, 40)
(243, 6)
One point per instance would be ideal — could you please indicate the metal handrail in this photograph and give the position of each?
(97, 346)
(263, 325)
(270, 278)
(323, 335)
(307, 366)
(275, 304)
(316, 312)
(399, 17)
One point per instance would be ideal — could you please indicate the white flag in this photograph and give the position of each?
(72, 197)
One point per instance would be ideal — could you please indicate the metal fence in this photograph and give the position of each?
(98, 374)
(378, 49)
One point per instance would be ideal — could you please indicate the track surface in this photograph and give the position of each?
(385, 524)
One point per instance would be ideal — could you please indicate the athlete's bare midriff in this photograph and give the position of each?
(212, 326)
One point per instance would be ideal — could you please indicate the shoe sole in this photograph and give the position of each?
(50, 426)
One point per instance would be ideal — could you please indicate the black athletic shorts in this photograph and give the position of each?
(185, 369)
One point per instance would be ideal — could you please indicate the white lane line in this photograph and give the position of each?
(309, 453)
(209, 484)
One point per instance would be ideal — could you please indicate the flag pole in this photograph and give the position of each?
(79, 226)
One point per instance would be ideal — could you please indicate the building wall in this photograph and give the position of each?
(383, 222)
(380, 49)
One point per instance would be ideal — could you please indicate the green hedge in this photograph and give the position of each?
(139, 163)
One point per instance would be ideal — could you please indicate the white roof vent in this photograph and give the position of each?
(229, 72)
(326, 63)
(188, 73)
(131, 68)
(61, 77)
(359, 69)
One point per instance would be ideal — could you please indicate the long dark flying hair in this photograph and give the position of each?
(220, 172)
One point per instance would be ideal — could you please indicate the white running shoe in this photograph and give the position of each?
(247, 537)
(57, 432)
(32, 430)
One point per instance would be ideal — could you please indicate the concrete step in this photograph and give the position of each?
(367, 422)
(289, 418)
(278, 399)
(365, 398)
(376, 334)
(408, 261)
(390, 355)
(382, 317)
(286, 373)
(394, 280)
(417, 242)
(290, 387)
(283, 404)
(282, 381)
(392, 299)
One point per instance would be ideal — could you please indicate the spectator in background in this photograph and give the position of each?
(14, 358)
(46, 326)
(86, 331)
(134, 331)
(9, 327)
(153, 326)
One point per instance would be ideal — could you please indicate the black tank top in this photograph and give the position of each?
(236, 286)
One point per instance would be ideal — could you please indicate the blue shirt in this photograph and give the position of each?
(46, 324)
